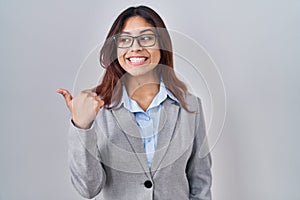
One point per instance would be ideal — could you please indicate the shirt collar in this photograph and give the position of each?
(133, 106)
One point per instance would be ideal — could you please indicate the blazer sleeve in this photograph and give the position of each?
(87, 173)
(199, 165)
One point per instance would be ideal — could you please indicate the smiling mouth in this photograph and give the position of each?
(137, 60)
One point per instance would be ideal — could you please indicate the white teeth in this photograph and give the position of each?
(135, 60)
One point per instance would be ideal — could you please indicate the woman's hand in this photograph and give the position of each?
(84, 107)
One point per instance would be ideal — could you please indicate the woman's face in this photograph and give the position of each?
(144, 54)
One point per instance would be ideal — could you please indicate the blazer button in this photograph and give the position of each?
(148, 184)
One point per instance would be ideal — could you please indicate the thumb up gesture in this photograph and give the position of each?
(84, 107)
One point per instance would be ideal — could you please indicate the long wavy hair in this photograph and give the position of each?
(110, 89)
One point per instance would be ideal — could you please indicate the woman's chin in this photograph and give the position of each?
(139, 72)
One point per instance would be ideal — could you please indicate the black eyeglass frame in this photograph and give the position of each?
(136, 37)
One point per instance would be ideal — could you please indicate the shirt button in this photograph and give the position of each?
(148, 184)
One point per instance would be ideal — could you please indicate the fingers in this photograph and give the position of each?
(66, 94)
(89, 92)
(100, 103)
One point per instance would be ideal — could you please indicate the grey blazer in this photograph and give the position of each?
(109, 158)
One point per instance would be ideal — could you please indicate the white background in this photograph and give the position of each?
(254, 43)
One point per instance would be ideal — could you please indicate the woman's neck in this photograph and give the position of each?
(145, 83)
(143, 88)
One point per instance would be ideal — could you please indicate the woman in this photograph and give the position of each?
(138, 135)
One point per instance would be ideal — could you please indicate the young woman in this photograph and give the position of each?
(139, 134)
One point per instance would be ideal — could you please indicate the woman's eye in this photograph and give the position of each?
(124, 40)
(148, 37)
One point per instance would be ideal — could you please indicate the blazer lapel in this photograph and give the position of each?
(127, 123)
(168, 118)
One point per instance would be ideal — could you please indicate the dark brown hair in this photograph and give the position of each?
(110, 89)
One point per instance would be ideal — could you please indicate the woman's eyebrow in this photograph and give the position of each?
(123, 32)
(147, 30)
(142, 31)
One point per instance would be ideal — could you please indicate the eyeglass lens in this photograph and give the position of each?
(145, 40)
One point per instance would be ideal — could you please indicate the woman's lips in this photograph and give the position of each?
(136, 60)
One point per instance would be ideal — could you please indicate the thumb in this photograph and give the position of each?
(66, 94)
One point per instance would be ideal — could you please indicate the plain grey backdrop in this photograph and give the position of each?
(255, 44)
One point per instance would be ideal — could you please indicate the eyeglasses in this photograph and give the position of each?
(126, 41)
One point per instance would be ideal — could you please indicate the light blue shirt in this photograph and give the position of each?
(148, 120)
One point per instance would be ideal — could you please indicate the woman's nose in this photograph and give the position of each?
(136, 46)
